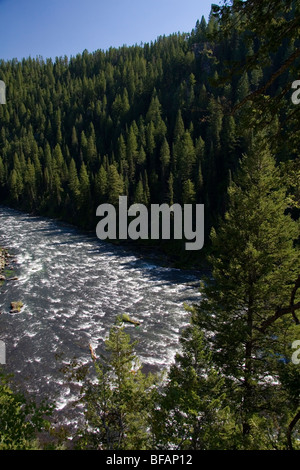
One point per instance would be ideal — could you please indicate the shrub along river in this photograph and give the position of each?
(72, 287)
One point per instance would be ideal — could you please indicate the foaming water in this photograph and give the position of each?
(73, 286)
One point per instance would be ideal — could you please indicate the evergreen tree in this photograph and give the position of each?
(21, 420)
(118, 406)
(165, 156)
(191, 413)
(171, 189)
(101, 185)
(115, 185)
(139, 195)
(247, 306)
(243, 88)
(14, 187)
(85, 197)
(30, 185)
(73, 182)
(188, 192)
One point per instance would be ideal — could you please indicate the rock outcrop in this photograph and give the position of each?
(16, 307)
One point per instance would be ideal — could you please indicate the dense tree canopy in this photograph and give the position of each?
(204, 117)
(145, 121)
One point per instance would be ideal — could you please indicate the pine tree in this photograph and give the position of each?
(101, 185)
(21, 420)
(154, 111)
(165, 156)
(191, 413)
(188, 192)
(74, 140)
(30, 186)
(118, 405)
(115, 185)
(150, 141)
(91, 151)
(171, 189)
(247, 306)
(85, 197)
(185, 155)
(139, 195)
(74, 185)
(131, 151)
(14, 189)
(179, 126)
(243, 88)
(142, 157)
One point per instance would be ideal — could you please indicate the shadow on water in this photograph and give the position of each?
(154, 266)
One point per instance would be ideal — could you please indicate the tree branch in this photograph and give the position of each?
(264, 88)
(290, 430)
(284, 310)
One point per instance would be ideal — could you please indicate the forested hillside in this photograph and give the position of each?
(145, 121)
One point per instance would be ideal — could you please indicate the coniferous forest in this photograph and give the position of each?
(202, 117)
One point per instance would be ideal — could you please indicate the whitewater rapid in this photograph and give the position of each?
(73, 286)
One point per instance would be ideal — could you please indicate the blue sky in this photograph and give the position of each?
(67, 27)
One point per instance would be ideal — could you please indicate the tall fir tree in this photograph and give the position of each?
(246, 307)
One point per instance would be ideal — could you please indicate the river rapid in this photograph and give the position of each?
(73, 286)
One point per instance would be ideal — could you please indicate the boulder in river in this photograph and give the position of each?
(127, 319)
(16, 307)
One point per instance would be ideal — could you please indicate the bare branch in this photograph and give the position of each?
(264, 88)
(284, 310)
(290, 430)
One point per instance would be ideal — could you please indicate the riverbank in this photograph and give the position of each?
(6, 266)
(169, 253)
(3, 263)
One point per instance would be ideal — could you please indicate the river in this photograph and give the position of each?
(73, 286)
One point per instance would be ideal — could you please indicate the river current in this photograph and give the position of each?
(73, 286)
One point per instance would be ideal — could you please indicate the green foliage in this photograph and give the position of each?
(170, 122)
(270, 35)
(20, 419)
(191, 413)
(246, 307)
(118, 399)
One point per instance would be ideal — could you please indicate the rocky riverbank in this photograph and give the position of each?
(3, 263)
(7, 274)
(6, 266)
